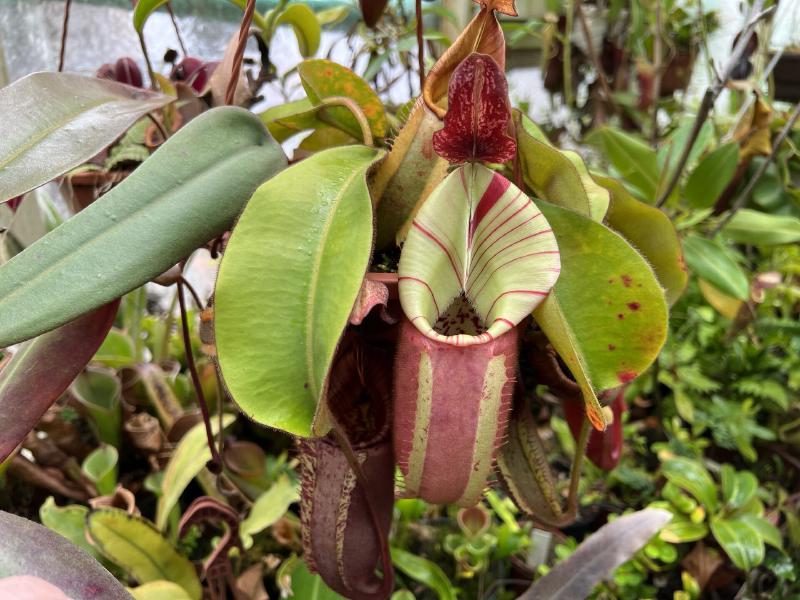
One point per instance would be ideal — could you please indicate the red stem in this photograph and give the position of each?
(244, 31)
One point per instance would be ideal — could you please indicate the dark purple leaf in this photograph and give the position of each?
(43, 368)
(27, 548)
(476, 121)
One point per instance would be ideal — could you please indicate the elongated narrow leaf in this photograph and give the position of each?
(286, 120)
(631, 158)
(132, 543)
(189, 458)
(268, 508)
(43, 368)
(651, 232)
(709, 259)
(712, 176)
(297, 266)
(755, 227)
(27, 548)
(601, 553)
(305, 25)
(607, 315)
(189, 191)
(558, 176)
(478, 236)
(323, 78)
(426, 572)
(143, 10)
(53, 122)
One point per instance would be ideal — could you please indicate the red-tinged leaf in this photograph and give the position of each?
(476, 121)
(372, 10)
(451, 406)
(605, 447)
(43, 368)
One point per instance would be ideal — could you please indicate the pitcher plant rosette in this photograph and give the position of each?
(518, 268)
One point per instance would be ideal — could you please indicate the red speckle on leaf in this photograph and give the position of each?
(612, 347)
(626, 376)
(634, 305)
(626, 280)
(620, 316)
(476, 121)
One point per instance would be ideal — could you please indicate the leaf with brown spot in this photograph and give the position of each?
(476, 122)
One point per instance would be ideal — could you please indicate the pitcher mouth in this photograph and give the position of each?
(459, 324)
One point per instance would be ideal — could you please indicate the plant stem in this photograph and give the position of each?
(712, 93)
(64, 28)
(147, 60)
(577, 467)
(420, 46)
(745, 194)
(657, 73)
(177, 29)
(598, 66)
(198, 388)
(159, 126)
(566, 44)
(355, 109)
(236, 69)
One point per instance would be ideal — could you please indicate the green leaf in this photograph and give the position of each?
(100, 392)
(634, 160)
(682, 530)
(671, 151)
(117, 350)
(323, 78)
(607, 315)
(298, 266)
(53, 122)
(189, 458)
(306, 27)
(709, 260)
(69, 521)
(758, 228)
(27, 548)
(286, 120)
(143, 10)
(100, 467)
(132, 543)
(159, 590)
(158, 215)
(693, 477)
(479, 236)
(560, 177)
(740, 540)
(768, 532)
(309, 586)
(738, 488)
(426, 572)
(268, 508)
(652, 233)
(712, 176)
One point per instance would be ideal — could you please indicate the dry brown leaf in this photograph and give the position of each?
(503, 6)
(218, 82)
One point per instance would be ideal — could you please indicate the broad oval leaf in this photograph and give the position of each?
(322, 78)
(652, 233)
(189, 458)
(159, 590)
(741, 541)
(268, 508)
(558, 176)
(480, 237)
(52, 122)
(631, 158)
(709, 260)
(27, 548)
(43, 368)
(160, 214)
(308, 585)
(738, 488)
(712, 176)
(607, 315)
(681, 530)
(132, 543)
(595, 559)
(305, 25)
(755, 227)
(693, 477)
(298, 266)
